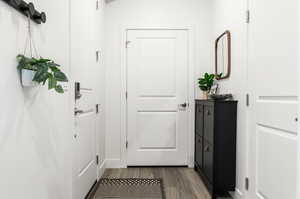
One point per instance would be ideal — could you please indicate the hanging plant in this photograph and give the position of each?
(43, 70)
(36, 71)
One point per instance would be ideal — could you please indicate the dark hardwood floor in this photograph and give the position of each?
(179, 183)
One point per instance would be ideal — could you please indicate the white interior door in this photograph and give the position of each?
(274, 93)
(157, 86)
(85, 145)
(83, 69)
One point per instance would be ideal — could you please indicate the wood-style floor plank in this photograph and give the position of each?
(179, 183)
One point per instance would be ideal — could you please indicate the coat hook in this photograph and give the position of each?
(17, 2)
(28, 10)
(21, 4)
(43, 17)
(31, 9)
(40, 17)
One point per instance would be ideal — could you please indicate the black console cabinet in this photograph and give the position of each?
(215, 145)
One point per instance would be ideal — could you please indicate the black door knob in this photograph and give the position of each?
(184, 105)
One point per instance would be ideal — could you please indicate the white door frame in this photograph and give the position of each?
(298, 187)
(191, 90)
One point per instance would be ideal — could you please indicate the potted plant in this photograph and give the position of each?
(39, 71)
(205, 83)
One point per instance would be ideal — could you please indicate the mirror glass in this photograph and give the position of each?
(223, 56)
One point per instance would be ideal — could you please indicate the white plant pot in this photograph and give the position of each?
(27, 76)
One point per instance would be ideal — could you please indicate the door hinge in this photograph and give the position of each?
(127, 43)
(97, 55)
(97, 108)
(97, 4)
(126, 95)
(126, 144)
(247, 184)
(247, 100)
(97, 159)
(248, 16)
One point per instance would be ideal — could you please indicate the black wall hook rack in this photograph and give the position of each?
(27, 9)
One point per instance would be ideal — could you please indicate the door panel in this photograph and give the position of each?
(208, 161)
(157, 84)
(85, 145)
(85, 129)
(199, 120)
(281, 114)
(273, 86)
(157, 131)
(271, 144)
(199, 151)
(209, 124)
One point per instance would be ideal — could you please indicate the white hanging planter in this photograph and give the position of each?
(27, 76)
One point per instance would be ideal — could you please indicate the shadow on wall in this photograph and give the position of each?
(109, 1)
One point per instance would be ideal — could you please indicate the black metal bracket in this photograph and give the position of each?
(27, 9)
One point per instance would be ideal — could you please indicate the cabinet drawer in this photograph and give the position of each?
(209, 123)
(208, 163)
(199, 151)
(199, 119)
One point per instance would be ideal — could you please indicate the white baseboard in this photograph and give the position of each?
(237, 194)
(113, 163)
(101, 169)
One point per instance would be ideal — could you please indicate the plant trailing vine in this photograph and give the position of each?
(45, 70)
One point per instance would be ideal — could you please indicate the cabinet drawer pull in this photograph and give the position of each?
(206, 149)
(208, 112)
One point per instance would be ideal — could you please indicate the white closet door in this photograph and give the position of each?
(274, 98)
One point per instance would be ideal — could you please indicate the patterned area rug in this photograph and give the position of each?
(132, 188)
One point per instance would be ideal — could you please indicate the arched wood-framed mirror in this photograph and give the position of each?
(223, 56)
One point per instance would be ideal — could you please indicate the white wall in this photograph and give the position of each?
(36, 126)
(145, 13)
(230, 15)
(35, 135)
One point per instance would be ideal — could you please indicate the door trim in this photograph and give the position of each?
(298, 191)
(191, 90)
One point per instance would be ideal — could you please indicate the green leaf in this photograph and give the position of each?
(60, 76)
(41, 60)
(20, 57)
(41, 74)
(219, 76)
(54, 69)
(206, 76)
(45, 76)
(52, 63)
(59, 89)
(203, 88)
(52, 82)
(202, 81)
